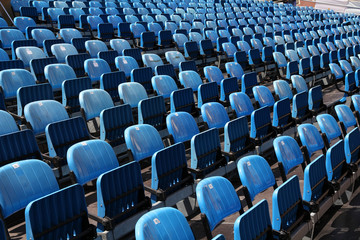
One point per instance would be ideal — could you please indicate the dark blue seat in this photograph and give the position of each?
(152, 111)
(110, 82)
(227, 87)
(77, 63)
(219, 192)
(121, 202)
(255, 175)
(352, 148)
(261, 129)
(207, 92)
(109, 57)
(143, 76)
(336, 165)
(182, 100)
(248, 81)
(73, 223)
(71, 89)
(37, 67)
(282, 118)
(288, 209)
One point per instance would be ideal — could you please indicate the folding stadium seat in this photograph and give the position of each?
(285, 69)
(23, 22)
(56, 74)
(143, 76)
(8, 124)
(255, 166)
(113, 18)
(62, 50)
(164, 85)
(282, 117)
(95, 68)
(69, 33)
(329, 127)
(93, 22)
(180, 40)
(307, 132)
(152, 60)
(207, 49)
(216, 191)
(152, 111)
(282, 90)
(348, 79)
(248, 81)
(26, 54)
(40, 35)
(77, 63)
(7, 36)
(289, 214)
(110, 82)
(352, 150)
(263, 96)
(346, 118)
(132, 93)
(261, 129)
(241, 104)
(126, 64)
(94, 47)
(190, 79)
(174, 58)
(213, 74)
(119, 45)
(234, 69)
(135, 53)
(34, 173)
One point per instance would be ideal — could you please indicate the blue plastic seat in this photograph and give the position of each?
(216, 191)
(311, 138)
(299, 83)
(69, 33)
(56, 74)
(241, 103)
(261, 128)
(256, 176)
(94, 21)
(119, 45)
(190, 79)
(4, 56)
(282, 89)
(39, 114)
(288, 207)
(26, 54)
(95, 68)
(346, 117)
(263, 96)
(352, 147)
(214, 114)
(182, 100)
(181, 126)
(173, 225)
(40, 35)
(23, 22)
(152, 60)
(329, 127)
(251, 217)
(7, 123)
(126, 64)
(76, 216)
(207, 92)
(163, 85)
(94, 47)
(16, 179)
(174, 58)
(282, 118)
(11, 80)
(132, 93)
(61, 51)
(152, 111)
(289, 154)
(143, 76)
(113, 18)
(336, 165)
(206, 154)
(143, 141)
(213, 74)
(234, 69)
(89, 159)
(7, 36)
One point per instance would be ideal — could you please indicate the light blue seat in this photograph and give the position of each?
(26, 54)
(7, 123)
(213, 74)
(163, 223)
(119, 45)
(113, 18)
(40, 35)
(282, 89)
(15, 181)
(94, 47)
(164, 85)
(23, 22)
(40, 113)
(181, 126)
(352, 147)
(346, 117)
(174, 58)
(289, 154)
(12, 79)
(69, 33)
(152, 60)
(255, 175)
(62, 50)
(137, 29)
(7, 36)
(95, 68)
(311, 138)
(94, 21)
(132, 93)
(56, 74)
(143, 141)
(89, 159)
(299, 83)
(219, 192)
(74, 215)
(180, 40)
(126, 64)
(93, 101)
(234, 69)
(190, 79)
(242, 229)
(214, 114)
(263, 96)
(329, 127)
(241, 103)
(336, 165)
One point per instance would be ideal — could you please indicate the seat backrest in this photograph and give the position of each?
(248, 81)
(94, 47)
(329, 126)
(74, 220)
(351, 148)
(234, 69)
(241, 103)
(152, 60)
(182, 126)
(89, 159)
(11, 80)
(213, 74)
(255, 174)
(299, 83)
(219, 192)
(56, 74)
(152, 111)
(288, 152)
(280, 59)
(40, 35)
(93, 101)
(287, 208)
(69, 33)
(260, 123)
(26, 54)
(163, 223)
(242, 229)
(282, 89)
(7, 36)
(7, 123)
(174, 58)
(132, 93)
(263, 96)
(15, 181)
(214, 114)
(119, 45)
(126, 64)
(95, 68)
(60, 51)
(310, 138)
(190, 79)
(345, 115)
(236, 135)
(163, 85)
(336, 161)
(143, 140)
(314, 180)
